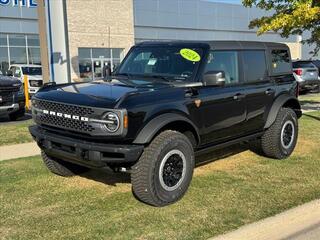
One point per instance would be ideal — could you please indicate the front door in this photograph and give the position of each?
(223, 109)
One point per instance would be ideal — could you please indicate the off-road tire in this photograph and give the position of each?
(271, 140)
(18, 114)
(62, 168)
(145, 175)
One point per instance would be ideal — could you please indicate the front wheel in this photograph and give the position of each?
(280, 139)
(164, 171)
(60, 167)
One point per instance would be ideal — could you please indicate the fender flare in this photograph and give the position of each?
(278, 103)
(149, 131)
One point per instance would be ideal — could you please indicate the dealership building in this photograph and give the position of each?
(78, 38)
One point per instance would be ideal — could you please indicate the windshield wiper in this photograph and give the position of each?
(128, 75)
(167, 79)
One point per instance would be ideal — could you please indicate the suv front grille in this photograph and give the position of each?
(36, 83)
(62, 122)
(65, 123)
(64, 108)
(6, 98)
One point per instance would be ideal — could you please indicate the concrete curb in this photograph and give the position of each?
(298, 223)
(19, 151)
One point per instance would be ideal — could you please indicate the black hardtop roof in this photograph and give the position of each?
(219, 44)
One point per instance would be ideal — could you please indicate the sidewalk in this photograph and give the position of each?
(19, 151)
(300, 223)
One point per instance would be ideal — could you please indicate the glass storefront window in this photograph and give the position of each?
(101, 53)
(19, 50)
(4, 61)
(117, 52)
(93, 61)
(84, 53)
(3, 40)
(18, 55)
(34, 55)
(17, 40)
(33, 40)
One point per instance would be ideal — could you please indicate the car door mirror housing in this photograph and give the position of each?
(214, 78)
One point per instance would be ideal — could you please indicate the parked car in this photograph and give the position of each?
(34, 73)
(12, 100)
(166, 103)
(317, 64)
(307, 75)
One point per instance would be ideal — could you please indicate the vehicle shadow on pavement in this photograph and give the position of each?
(310, 116)
(107, 176)
(111, 178)
(19, 120)
(220, 154)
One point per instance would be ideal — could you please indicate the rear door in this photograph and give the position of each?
(259, 89)
(222, 110)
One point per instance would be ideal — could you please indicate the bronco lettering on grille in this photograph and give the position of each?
(64, 115)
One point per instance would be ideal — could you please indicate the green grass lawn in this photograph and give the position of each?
(15, 133)
(223, 195)
(313, 97)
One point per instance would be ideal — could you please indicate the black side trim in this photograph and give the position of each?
(153, 127)
(207, 149)
(278, 103)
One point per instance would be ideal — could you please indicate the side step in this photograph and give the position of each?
(227, 144)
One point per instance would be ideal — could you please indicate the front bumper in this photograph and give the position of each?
(9, 109)
(85, 153)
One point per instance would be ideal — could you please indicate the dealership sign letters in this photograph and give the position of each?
(16, 3)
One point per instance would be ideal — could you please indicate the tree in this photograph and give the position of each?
(289, 17)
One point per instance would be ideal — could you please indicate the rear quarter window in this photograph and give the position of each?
(280, 61)
(255, 67)
(303, 65)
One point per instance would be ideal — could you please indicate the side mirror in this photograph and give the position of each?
(9, 73)
(214, 78)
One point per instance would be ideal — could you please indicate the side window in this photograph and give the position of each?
(17, 72)
(254, 64)
(226, 61)
(280, 61)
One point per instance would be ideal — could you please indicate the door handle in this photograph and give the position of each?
(238, 96)
(269, 91)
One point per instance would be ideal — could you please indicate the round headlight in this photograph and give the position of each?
(112, 122)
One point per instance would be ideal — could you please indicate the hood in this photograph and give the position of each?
(9, 82)
(97, 93)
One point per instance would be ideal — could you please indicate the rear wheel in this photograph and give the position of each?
(280, 139)
(164, 171)
(62, 168)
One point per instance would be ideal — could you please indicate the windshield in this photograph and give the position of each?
(32, 70)
(166, 63)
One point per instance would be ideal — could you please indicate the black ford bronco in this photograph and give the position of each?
(166, 103)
